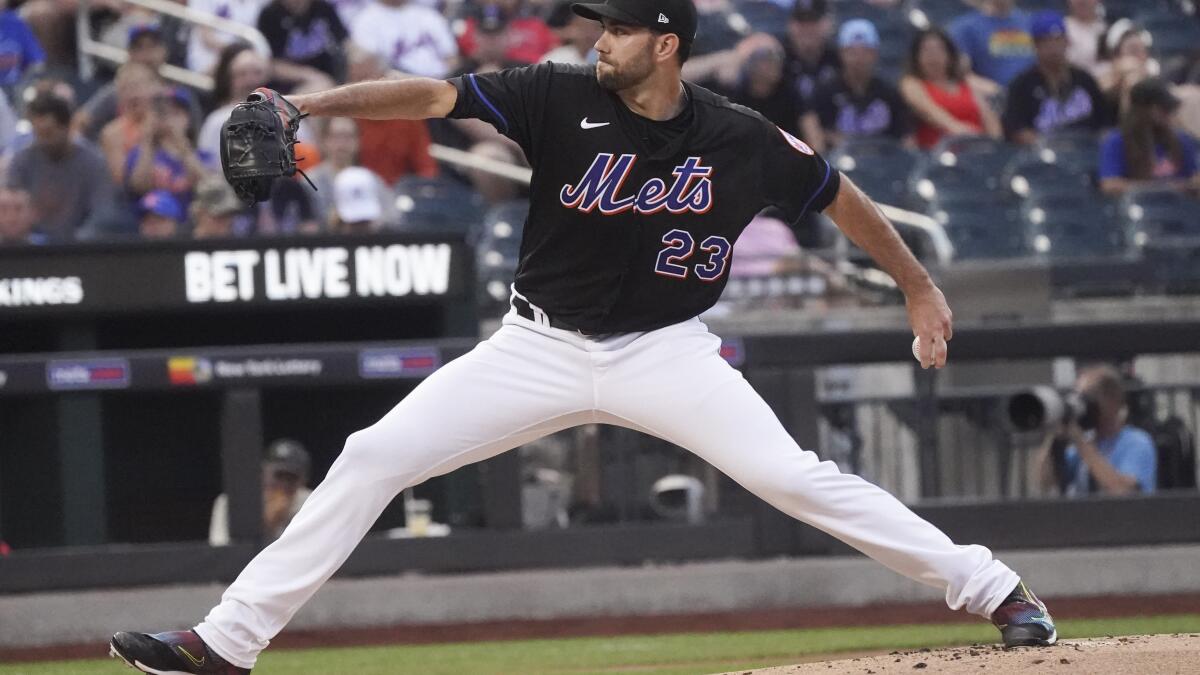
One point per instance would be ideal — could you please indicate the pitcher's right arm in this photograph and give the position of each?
(415, 98)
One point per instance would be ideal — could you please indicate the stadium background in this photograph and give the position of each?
(157, 337)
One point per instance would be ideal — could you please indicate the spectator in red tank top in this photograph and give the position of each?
(941, 97)
(528, 36)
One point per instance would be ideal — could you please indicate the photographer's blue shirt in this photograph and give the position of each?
(1130, 451)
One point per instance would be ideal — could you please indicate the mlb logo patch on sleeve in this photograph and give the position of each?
(796, 142)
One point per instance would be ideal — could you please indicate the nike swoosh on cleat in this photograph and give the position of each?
(199, 663)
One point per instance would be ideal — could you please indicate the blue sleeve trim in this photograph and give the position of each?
(828, 172)
(495, 111)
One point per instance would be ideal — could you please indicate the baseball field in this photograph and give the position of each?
(1139, 644)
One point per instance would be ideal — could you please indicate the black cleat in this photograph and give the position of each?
(175, 653)
(1023, 620)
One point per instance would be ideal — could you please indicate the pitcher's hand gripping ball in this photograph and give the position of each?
(257, 144)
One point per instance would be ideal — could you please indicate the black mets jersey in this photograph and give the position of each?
(626, 234)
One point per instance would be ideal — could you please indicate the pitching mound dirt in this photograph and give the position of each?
(1157, 654)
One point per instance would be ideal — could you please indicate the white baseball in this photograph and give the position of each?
(916, 348)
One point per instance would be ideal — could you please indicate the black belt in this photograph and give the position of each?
(525, 310)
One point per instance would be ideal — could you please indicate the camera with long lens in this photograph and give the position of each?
(1044, 408)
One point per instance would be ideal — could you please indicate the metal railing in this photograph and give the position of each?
(90, 48)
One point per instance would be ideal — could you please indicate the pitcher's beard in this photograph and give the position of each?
(614, 79)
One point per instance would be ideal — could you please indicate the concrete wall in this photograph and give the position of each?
(62, 618)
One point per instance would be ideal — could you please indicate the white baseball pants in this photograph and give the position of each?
(530, 380)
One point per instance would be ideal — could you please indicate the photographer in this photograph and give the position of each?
(1111, 458)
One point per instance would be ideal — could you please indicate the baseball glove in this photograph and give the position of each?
(257, 144)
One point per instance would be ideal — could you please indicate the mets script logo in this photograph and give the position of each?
(691, 189)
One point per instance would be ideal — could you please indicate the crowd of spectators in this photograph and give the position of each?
(128, 153)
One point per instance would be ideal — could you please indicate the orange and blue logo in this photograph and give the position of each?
(186, 370)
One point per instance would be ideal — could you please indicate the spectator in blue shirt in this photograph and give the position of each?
(996, 39)
(1147, 149)
(1114, 458)
(19, 49)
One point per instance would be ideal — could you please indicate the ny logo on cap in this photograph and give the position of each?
(662, 18)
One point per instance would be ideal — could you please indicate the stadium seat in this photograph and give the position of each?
(1075, 149)
(1030, 177)
(1041, 207)
(1128, 9)
(723, 29)
(878, 165)
(497, 251)
(1173, 264)
(437, 206)
(1072, 225)
(940, 12)
(1174, 33)
(980, 155)
(933, 181)
(861, 9)
(997, 205)
(1081, 239)
(502, 227)
(493, 287)
(760, 16)
(1157, 215)
(984, 234)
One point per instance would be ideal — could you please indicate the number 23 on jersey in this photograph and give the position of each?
(710, 264)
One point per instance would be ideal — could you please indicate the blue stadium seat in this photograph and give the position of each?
(1174, 33)
(861, 9)
(1173, 264)
(1079, 238)
(723, 29)
(1157, 215)
(497, 252)
(437, 206)
(933, 181)
(1039, 207)
(502, 227)
(1128, 9)
(762, 16)
(941, 12)
(878, 165)
(980, 155)
(998, 205)
(1076, 149)
(493, 287)
(1030, 177)
(987, 235)
(1072, 225)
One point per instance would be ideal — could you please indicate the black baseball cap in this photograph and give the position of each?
(664, 16)
(1153, 91)
(808, 11)
(288, 455)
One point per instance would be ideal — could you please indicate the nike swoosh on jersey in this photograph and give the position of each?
(585, 124)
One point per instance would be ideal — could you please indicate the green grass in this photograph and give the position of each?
(654, 655)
